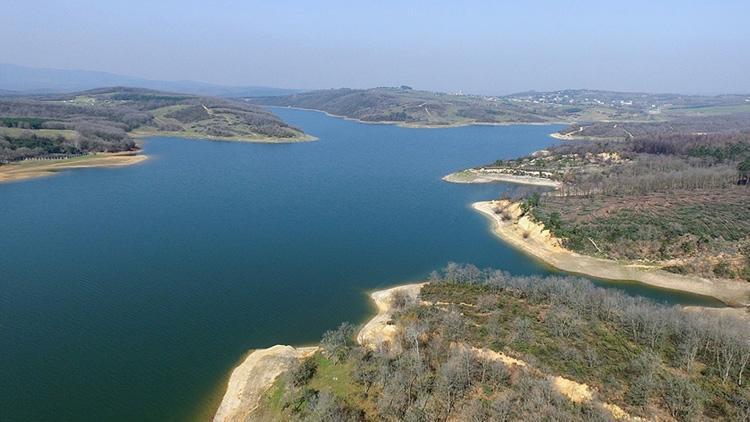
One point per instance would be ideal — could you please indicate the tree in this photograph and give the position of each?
(337, 343)
(682, 398)
(744, 169)
(303, 372)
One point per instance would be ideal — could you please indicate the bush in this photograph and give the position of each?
(337, 343)
(303, 372)
(682, 398)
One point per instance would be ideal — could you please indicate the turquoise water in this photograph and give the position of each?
(129, 294)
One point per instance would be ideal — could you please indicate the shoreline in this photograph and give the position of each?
(421, 125)
(257, 372)
(32, 169)
(377, 332)
(568, 137)
(470, 176)
(531, 238)
(197, 136)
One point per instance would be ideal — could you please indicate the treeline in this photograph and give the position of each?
(728, 146)
(19, 148)
(710, 352)
(722, 344)
(658, 163)
(651, 174)
(123, 116)
(91, 137)
(682, 125)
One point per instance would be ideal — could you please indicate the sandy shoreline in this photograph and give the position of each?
(563, 137)
(531, 238)
(30, 169)
(488, 176)
(568, 137)
(377, 332)
(257, 373)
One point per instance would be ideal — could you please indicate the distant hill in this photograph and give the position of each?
(410, 107)
(30, 80)
(6, 92)
(639, 101)
(107, 119)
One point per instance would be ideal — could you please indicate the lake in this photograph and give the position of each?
(129, 294)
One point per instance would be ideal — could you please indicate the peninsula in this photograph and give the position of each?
(665, 208)
(40, 135)
(475, 344)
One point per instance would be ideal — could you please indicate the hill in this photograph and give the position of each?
(108, 119)
(32, 80)
(411, 107)
(696, 123)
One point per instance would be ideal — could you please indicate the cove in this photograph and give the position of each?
(129, 294)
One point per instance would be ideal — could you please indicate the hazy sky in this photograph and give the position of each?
(489, 47)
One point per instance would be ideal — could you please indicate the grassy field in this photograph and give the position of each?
(336, 379)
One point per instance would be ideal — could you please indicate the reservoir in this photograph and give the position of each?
(129, 294)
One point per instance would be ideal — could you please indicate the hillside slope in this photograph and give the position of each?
(108, 119)
(410, 107)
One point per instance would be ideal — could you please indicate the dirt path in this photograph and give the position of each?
(530, 237)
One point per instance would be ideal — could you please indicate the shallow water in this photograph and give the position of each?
(128, 294)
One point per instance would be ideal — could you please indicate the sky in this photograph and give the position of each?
(482, 47)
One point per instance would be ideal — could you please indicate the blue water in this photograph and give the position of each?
(129, 294)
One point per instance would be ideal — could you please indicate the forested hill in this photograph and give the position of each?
(675, 200)
(107, 119)
(407, 106)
